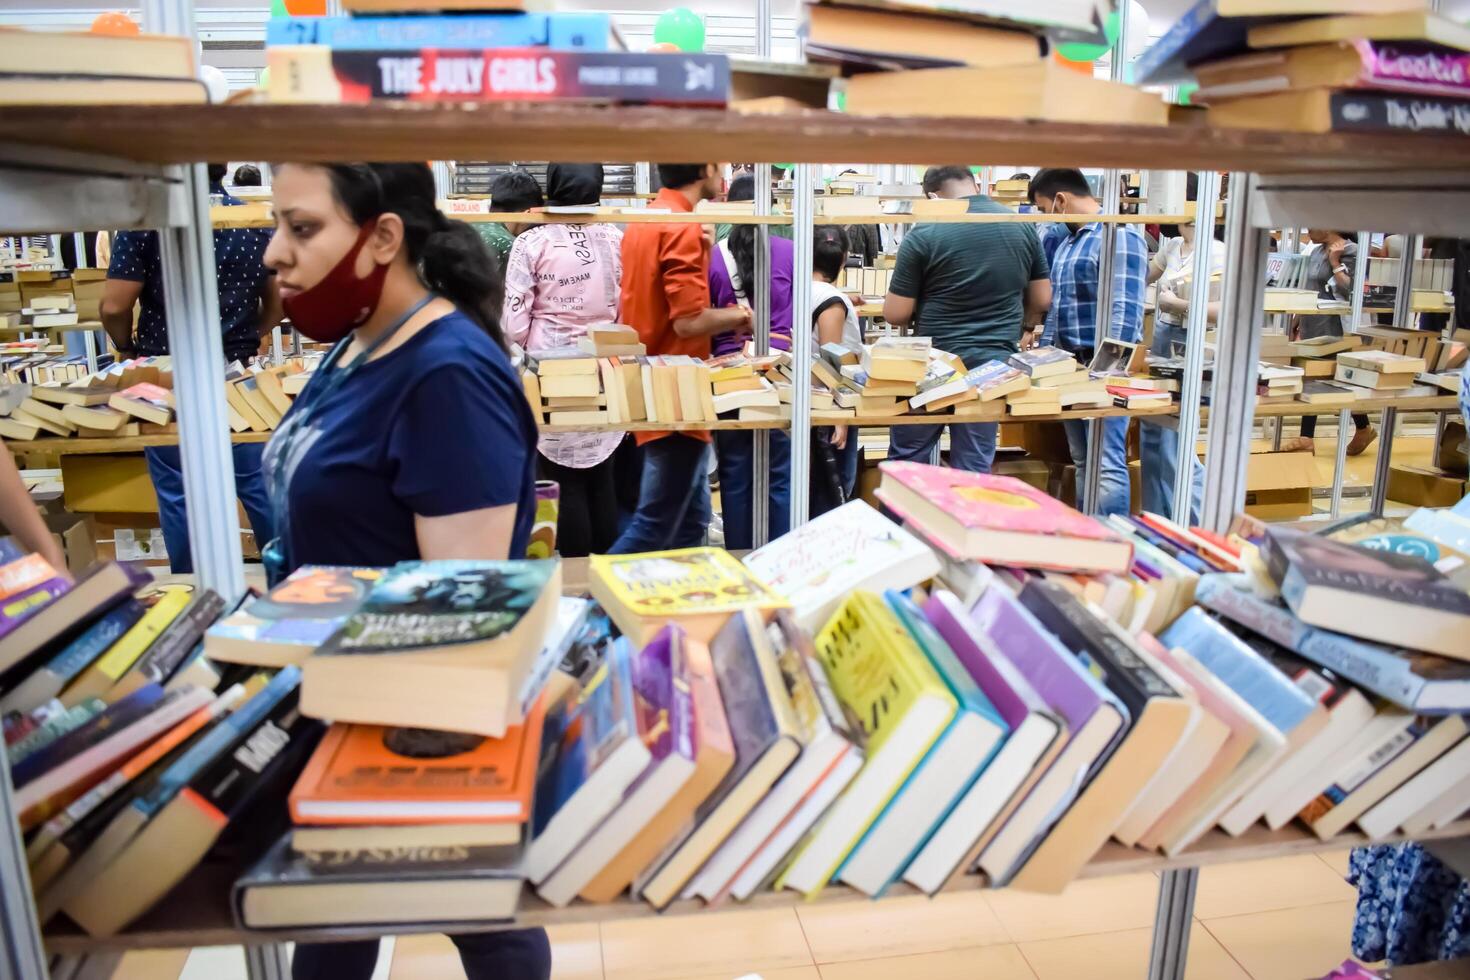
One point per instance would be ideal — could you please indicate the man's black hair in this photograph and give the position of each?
(247, 175)
(742, 188)
(677, 175)
(829, 251)
(573, 184)
(515, 191)
(1055, 180)
(937, 177)
(217, 173)
(1022, 175)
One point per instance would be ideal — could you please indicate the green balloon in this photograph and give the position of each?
(1082, 51)
(1186, 93)
(278, 9)
(680, 27)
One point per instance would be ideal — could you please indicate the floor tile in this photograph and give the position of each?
(151, 964)
(784, 973)
(1261, 886)
(1288, 944)
(989, 962)
(1092, 906)
(214, 963)
(1124, 956)
(899, 926)
(576, 954)
(669, 947)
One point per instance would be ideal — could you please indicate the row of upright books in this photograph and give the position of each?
(993, 683)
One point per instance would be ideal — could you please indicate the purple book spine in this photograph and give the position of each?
(1042, 660)
(17, 608)
(664, 704)
(1412, 67)
(1012, 701)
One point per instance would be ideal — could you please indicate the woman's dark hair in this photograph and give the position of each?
(450, 257)
(742, 188)
(571, 184)
(515, 191)
(742, 237)
(247, 175)
(829, 251)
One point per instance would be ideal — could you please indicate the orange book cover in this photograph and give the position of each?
(371, 774)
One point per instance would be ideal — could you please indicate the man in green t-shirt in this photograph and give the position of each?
(973, 288)
(514, 192)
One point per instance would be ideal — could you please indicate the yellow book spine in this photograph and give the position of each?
(126, 651)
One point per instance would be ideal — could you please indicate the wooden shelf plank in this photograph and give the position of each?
(197, 912)
(577, 133)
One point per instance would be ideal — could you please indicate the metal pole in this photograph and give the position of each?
(21, 955)
(1238, 349)
(1385, 453)
(191, 303)
(803, 205)
(1092, 469)
(443, 180)
(1360, 272)
(642, 178)
(760, 458)
(1171, 924)
(1339, 463)
(79, 244)
(1196, 322)
(1403, 301)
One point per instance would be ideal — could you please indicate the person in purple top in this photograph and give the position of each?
(731, 271)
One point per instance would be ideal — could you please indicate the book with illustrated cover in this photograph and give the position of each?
(293, 619)
(97, 680)
(1000, 520)
(145, 401)
(47, 681)
(996, 379)
(29, 599)
(447, 645)
(1354, 111)
(1376, 595)
(597, 756)
(1410, 67)
(1421, 682)
(698, 588)
(174, 646)
(853, 547)
(23, 573)
(563, 31)
(879, 674)
(1043, 362)
(367, 774)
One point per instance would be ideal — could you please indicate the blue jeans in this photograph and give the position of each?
(847, 463)
(1114, 494)
(734, 455)
(673, 498)
(971, 444)
(1158, 447)
(166, 470)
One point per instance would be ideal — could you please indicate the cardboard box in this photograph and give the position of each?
(1423, 486)
(1450, 455)
(74, 535)
(1279, 485)
(108, 483)
(1279, 505)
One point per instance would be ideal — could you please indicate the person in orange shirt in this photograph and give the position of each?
(665, 297)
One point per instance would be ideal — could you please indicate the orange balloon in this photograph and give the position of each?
(114, 22)
(1081, 67)
(663, 47)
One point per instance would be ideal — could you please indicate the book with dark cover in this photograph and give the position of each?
(1420, 682)
(286, 890)
(176, 643)
(1377, 595)
(1388, 112)
(98, 589)
(531, 75)
(437, 603)
(48, 680)
(117, 717)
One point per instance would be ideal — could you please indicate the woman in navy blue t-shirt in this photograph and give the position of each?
(414, 439)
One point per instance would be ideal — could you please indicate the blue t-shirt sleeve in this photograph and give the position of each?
(132, 255)
(459, 443)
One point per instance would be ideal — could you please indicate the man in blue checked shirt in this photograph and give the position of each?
(1072, 323)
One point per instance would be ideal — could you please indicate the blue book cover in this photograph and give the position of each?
(1201, 34)
(1418, 681)
(558, 31)
(970, 699)
(75, 657)
(1244, 670)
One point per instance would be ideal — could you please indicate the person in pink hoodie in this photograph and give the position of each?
(560, 281)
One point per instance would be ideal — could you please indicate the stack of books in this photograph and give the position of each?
(80, 68)
(917, 57)
(1378, 66)
(479, 51)
(1378, 370)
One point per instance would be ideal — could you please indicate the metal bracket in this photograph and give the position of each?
(267, 961)
(1426, 203)
(55, 190)
(1171, 924)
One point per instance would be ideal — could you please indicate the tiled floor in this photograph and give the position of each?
(1281, 919)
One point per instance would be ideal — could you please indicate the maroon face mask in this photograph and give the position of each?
(332, 308)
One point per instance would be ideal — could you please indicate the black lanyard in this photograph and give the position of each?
(324, 383)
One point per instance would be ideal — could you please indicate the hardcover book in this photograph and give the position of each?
(1000, 520)
(367, 774)
(1409, 67)
(1043, 362)
(1329, 111)
(293, 619)
(698, 588)
(560, 31)
(853, 547)
(1376, 595)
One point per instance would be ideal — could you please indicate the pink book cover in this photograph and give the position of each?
(997, 503)
(1120, 391)
(150, 392)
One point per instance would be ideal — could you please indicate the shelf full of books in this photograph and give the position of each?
(988, 691)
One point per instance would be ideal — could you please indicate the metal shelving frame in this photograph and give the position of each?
(46, 189)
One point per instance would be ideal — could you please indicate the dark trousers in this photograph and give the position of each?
(167, 471)
(587, 512)
(518, 954)
(1309, 424)
(735, 454)
(847, 463)
(673, 498)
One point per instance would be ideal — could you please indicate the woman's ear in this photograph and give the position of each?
(386, 240)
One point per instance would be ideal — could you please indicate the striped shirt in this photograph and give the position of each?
(1072, 322)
